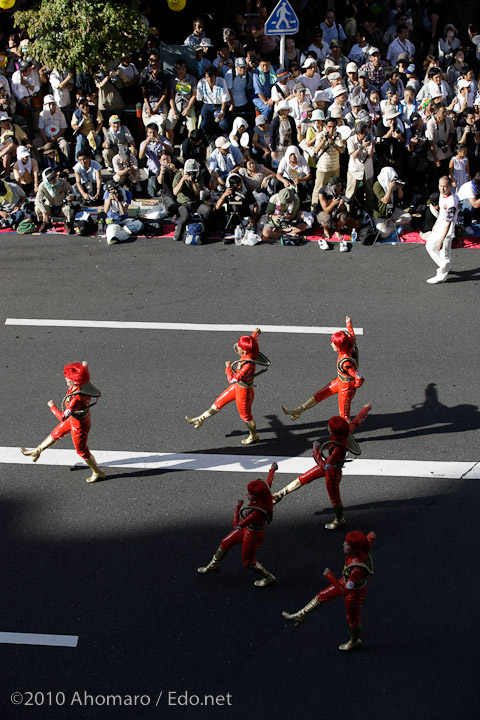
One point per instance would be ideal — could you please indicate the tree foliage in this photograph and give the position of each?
(80, 34)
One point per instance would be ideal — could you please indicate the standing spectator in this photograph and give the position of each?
(152, 148)
(87, 123)
(448, 44)
(197, 34)
(319, 47)
(283, 88)
(155, 90)
(441, 134)
(261, 140)
(183, 89)
(401, 45)
(331, 29)
(116, 136)
(336, 57)
(62, 83)
(85, 86)
(223, 62)
(375, 67)
(328, 149)
(266, 45)
(468, 133)
(88, 178)
(239, 83)
(359, 52)
(212, 93)
(360, 149)
(264, 78)
(458, 167)
(109, 84)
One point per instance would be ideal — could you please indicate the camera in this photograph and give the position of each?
(418, 135)
(443, 145)
(400, 182)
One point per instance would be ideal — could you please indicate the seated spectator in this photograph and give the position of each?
(255, 178)
(195, 148)
(154, 88)
(182, 95)
(25, 83)
(8, 149)
(223, 62)
(264, 78)
(283, 211)
(431, 215)
(310, 78)
(12, 198)
(336, 57)
(332, 212)
(400, 45)
(151, 149)
(187, 186)
(87, 123)
(236, 205)
(25, 171)
(53, 159)
(319, 47)
(165, 183)
(212, 94)
(239, 83)
(293, 170)
(387, 191)
(51, 126)
(240, 135)
(224, 160)
(469, 197)
(115, 209)
(88, 178)
(125, 168)
(283, 132)
(116, 137)
(460, 101)
(375, 68)
(295, 104)
(55, 197)
(261, 139)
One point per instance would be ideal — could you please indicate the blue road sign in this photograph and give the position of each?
(282, 21)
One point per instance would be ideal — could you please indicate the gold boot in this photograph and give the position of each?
(267, 578)
(354, 643)
(295, 414)
(35, 453)
(198, 421)
(294, 485)
(339, 519)
(253, 437)
(299, 616)
(97, 472)
(214, 563)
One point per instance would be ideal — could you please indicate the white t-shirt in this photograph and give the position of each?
(447, 213)
(466, 191)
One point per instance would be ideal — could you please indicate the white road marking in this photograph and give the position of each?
(15, 638)
(245, 463)
(118, 325)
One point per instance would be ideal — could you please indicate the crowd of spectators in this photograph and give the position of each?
(358, 124)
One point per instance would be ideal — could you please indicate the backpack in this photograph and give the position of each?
(152, 228)
(367, 235)
(84, 226)
(25, 227)
(193, 233)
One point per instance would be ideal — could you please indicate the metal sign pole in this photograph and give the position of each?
(282, 51)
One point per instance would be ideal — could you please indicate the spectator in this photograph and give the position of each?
(240, 135)
(264, 78)
(116, 137)
(212, 93)
(387, 192)
(25, 171)
(296, 103)
(125, 167)
(448, 44)
(87, 123)
(201, 59)
(417, 146)
(261, 140)
(292, 53)
(195, 148)
(62, 83)
(359, 52)
(129, 76)
(12, 198)
(468, 133)
(165, 182)
(440, 132)
(54, 160)
(55, 197)
(115, 209)
(187, 186)
(469, 198)
(255, 177)
(246, 210)
(51, 126)
(197, 34)
(283, 132)
(88, 178)
(293, 170)
(319, 47)
(109, 85)
(151, 149)
(182, 99)
(310, 78)
(266, 45)
(401, 45)
(336, 57)
(458, 167)
(331, 211)
(284, 88)
(283, 212)
(235, 48)
(25, 83)
(239, 83)
(331, 29)
(224, 160)
(223, 62)
(328, 149)
(360, 148)
(375, 68)
(155, 90)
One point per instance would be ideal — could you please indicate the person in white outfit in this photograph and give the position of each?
(439, 240)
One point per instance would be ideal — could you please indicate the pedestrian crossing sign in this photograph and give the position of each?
(282, 21)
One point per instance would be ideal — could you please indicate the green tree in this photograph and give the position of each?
(80, 34)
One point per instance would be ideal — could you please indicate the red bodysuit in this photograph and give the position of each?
(353, 584)
(250, 531)
(331, 468)
(240, 386)
(345, 384)
(79, 427)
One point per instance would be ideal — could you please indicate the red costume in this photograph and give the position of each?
(250, 530)
(352, 586)
(74, 417)
(331, 468)
(241, 381)
(240, 375)
(348, 377)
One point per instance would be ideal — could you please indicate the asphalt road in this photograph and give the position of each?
(115, 562)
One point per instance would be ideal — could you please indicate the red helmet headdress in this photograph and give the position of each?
(342, 341)
(249, 345)
(262, 495)
(77, 372)
(339, 427)
(358, 542)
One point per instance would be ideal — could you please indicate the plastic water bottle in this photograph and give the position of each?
(353, 236)
(238, 235)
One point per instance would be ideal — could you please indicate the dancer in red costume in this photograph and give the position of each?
(74, 417)
(240, 385)
(348, 378)
(330, 467)
(250, 530)
(352, 586)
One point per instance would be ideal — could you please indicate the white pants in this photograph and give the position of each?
(442, 257)
(399, 217)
